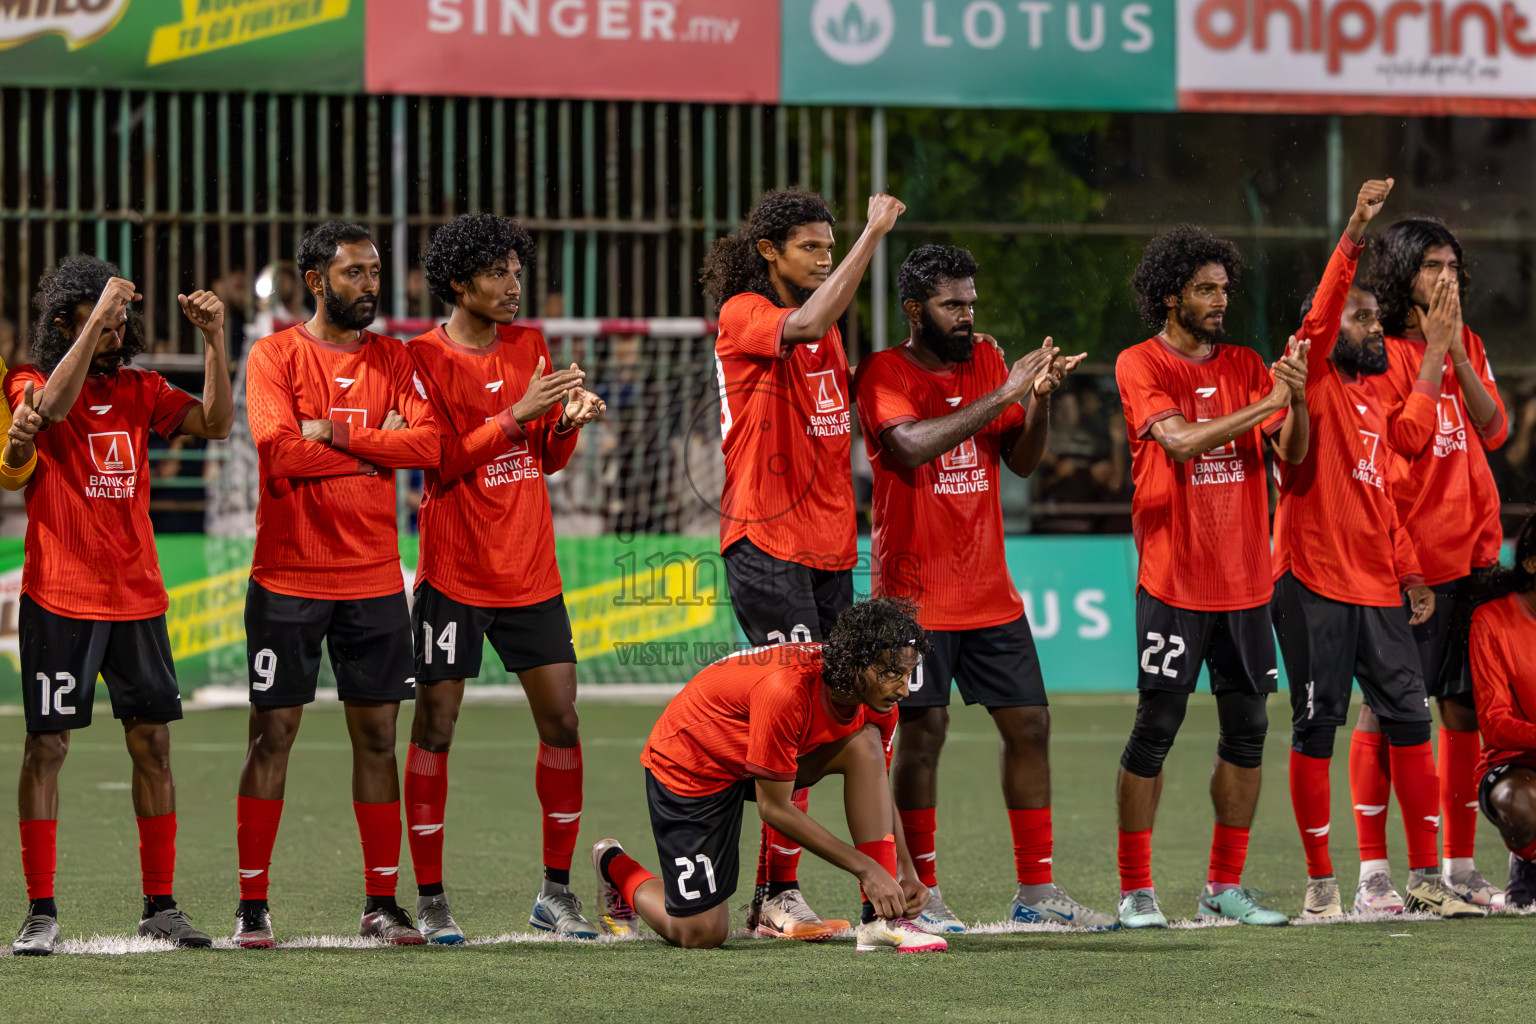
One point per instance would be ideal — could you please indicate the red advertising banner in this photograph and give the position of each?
(723, 51)
(1403, 57)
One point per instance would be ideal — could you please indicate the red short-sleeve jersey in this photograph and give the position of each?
(322, 529)
(90, 549)
(1503, 656)
(751, 715)
(938, 529)
(487, 538)
(1444, 489)
(1201, 527)
(785, 427)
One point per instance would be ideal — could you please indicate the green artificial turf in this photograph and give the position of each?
(1399, 970)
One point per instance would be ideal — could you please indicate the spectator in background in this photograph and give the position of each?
(12, 351)
(1083, 463)
(1514, 464)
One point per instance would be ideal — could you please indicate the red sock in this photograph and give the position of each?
(557, 780)
(1459, 754)
(1032, 843)
(39, 856)
(1310, 797)
(426, 800)
(627, 875)
(255, 835)
(762, 856)
(782, 854)
(1135, 860)
(918, 826)
(378, 825)
(1370, 790)
(1418, 795)
(157, 853)
(1229, 851)
(883, 851)
(1524, 853)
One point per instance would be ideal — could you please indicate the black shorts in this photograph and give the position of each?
(780, 602)
(450, 637)
(1442, 641)
(369, 640)
(697, 840)
(1237, 646)
(1491, 778)
(996, 667)
(61, 658)
(1327, 644)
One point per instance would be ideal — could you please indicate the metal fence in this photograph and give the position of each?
(182, 190)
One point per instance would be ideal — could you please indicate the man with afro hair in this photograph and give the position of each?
(487, 567)
(787, 520)
(1447, 417)
(757, 725)
(1198, 411)
(92, 599)
(334, 410)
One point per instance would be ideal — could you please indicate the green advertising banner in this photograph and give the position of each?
(644, 609)
(280, 45)
(1110, 55)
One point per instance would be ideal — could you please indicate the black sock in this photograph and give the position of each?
(430, 890)
(774, 888)
(380, 903)
(868, 914)
(45, 907)
(154, 904)
(254, 906)
(607, 858)
(558, 876)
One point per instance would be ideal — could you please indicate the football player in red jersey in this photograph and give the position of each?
(1344, 570)
(941, 413)
(755, 726)
(787, 520)
(92, 598)
(333, 408)
(1503, 655)
(1198, 411)
(1448, 502)
(487, 567)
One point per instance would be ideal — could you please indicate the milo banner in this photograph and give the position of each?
(250, 45)
(644, 609)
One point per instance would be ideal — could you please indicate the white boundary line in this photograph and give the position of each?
(121, 945)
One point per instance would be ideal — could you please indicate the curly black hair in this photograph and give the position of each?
(870, 633)
(317, 249)
(1492, 585)
(469, 245)
(77, 281)
(929, 266)
(1396, 255)
(1171, 260)
(734, 266)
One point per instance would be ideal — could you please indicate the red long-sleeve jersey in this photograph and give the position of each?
(1503, 655)
(487, 538)
(1336, 527)
(324, 529)
(1445, 493)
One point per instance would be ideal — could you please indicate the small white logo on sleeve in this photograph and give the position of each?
(346, 382)
(953, 402)
(1205, 392)
(494, 386)
(101, 410)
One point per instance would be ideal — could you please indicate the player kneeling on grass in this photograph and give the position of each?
(756, 726)
(487, 566)
(941, 412)
(1503, 652)
(92, 600)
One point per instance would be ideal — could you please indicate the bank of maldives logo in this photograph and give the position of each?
(853, 31)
